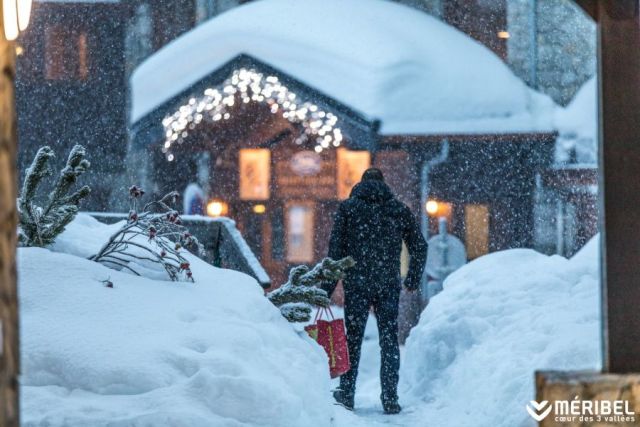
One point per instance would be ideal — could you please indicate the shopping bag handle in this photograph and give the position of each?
(323, 310)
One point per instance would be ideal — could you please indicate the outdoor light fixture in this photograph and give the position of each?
(217, 208)
(503, 34)
(259, 209)
(432, 207)
(16, 15)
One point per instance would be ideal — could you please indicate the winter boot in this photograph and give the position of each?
(391, 407)
(343, 399)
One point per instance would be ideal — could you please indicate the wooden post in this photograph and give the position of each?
(619, 32)
(9, 350)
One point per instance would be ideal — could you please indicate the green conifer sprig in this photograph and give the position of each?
(41, 224)
(303, 289)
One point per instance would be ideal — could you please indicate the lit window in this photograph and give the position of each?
(476, 226)
(255, 173)
(66, 54)
(300, 233)
(351, 166)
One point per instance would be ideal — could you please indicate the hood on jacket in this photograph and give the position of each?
(372, 191)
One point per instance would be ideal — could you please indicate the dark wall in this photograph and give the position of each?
(87, 108)
(496, 170)
(171, 18)
(500, 173)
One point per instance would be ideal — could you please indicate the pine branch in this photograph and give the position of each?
(39, 226)
(76, 166)
(328, 270)
(75, 198)
(296, 312)
(38, 170)
(289, 293)
(302, 291)
(64, 215)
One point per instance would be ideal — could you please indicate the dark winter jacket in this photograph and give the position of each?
(370, 226)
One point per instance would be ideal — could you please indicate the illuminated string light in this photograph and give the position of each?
(247, 85)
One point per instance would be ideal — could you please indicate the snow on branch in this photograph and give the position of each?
(152, 237)
(40, 224)
(302, 291)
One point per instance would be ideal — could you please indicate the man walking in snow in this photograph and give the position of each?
(370, 226)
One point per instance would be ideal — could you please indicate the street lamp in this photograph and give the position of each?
(16, 14)
(432, 207)
(217, 208)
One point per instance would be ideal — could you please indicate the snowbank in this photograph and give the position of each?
(385, 60)
(158, 353)
(578, 126)
(471, 359)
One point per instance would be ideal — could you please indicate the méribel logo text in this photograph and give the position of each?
(578, 410)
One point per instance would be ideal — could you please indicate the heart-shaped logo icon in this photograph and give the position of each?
(538, 412)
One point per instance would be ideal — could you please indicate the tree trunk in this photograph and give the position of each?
(9, 355)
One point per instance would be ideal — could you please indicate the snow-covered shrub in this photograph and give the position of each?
(302, 291)
(41, 221)
(151, 237)
(149, 353)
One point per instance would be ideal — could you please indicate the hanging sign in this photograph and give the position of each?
(306, 163)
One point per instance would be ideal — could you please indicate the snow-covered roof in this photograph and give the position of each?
(577, 126)
(387, 61)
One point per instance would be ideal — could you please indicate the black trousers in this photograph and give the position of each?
(384, 301)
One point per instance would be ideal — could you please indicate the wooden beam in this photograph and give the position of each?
(619, 32)
(9, 349)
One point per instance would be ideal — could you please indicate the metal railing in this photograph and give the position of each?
(223, 244)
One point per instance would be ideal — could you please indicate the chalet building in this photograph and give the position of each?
(84, 52)
(130, 31)
(277, 107)
(71, 87)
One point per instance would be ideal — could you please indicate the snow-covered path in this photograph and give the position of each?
(471, 360)
(368, 410)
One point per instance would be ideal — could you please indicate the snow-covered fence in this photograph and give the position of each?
(223, 244)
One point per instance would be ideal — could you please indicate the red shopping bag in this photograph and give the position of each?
(331, 336)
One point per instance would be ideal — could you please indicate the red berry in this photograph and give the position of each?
(135, 191)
